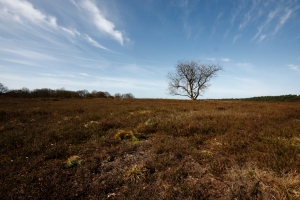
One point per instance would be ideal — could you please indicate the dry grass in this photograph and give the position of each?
(148, 149)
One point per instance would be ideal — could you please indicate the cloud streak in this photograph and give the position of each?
(210, 59)
(236, 37)
(266, 17)
(283, 20)
(24, 13)
(294, 67)
(101, 23)
(40, 24)
(225, 59)
(265, 25)
(94, 43)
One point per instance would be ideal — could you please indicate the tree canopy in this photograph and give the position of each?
(191, 78)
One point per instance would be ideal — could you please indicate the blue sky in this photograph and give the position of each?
(123, 46)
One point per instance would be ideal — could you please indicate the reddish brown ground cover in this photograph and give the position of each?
(148, 149)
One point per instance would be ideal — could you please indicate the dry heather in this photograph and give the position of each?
(148, 149)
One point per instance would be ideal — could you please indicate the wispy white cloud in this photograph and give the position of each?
(257, 14)
(143, 71)
(217, 59)
(38, 54)
(84, 74)
(94, 43)
(35, 22)
(101, 23)
(184, 5)
(261, 38)
(47, 80)
(130, 83)
(54, 81)
(18, 61)
(58, 75)
(187, 28)
(294, 67)
(210, 59)
(72, 32)
(28, 54)
(24, 13)
(265, 25)
(275, 20)
(236, 37)
(271, 16)
(225, 59)
(47, 74)
(244, 64)
(283, 20)
(247, 19)
(251, 15)
(237, 12)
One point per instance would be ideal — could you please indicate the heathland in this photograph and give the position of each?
(148, 149)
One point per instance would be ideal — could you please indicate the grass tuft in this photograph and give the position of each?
(73, 161)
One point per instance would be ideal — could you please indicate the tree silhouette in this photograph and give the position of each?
(190, 78)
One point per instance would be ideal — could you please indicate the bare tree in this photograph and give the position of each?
(191, 78)
(3, 89)
(127, 96)
(118, 95)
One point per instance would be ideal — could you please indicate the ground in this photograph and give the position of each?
(148, 149)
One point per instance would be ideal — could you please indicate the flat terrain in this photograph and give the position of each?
(148, 149)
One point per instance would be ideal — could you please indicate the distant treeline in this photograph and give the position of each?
(60, 93)
(284, 98)
(287, 98)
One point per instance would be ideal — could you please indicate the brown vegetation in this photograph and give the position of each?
(148, 149)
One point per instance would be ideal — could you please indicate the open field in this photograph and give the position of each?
(148, 149)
